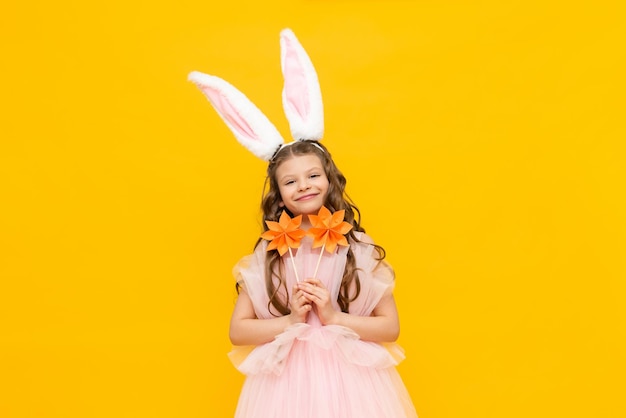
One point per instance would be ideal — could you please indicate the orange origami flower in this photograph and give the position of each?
(328, 229)
(284, 234)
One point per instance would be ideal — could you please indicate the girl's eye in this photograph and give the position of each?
(314, 175)
(289, 182)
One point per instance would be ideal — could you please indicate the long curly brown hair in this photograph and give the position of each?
(336, 199)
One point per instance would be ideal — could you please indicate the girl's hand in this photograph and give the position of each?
(300, 306)
(316, 293)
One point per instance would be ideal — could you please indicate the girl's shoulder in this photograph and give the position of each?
(254, 260)
(363, 238)
(365, 249)
(371, 263)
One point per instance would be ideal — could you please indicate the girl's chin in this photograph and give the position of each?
(306, 210)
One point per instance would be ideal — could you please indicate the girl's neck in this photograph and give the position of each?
(306, 224)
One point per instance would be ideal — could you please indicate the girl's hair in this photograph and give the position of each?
(336, 199)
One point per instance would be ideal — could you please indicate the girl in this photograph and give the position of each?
(317, 343)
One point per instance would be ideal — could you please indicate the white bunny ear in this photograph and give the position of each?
(302, 98)
(250, 126)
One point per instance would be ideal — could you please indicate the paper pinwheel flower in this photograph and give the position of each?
(328, 229)
(284, 234)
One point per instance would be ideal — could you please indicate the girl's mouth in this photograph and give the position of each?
(306, 197)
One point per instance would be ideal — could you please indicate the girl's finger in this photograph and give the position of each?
(309, 281)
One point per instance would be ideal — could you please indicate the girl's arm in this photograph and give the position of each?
(382, 326)
(247, 329)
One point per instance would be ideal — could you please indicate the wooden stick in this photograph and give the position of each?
(318, 261)
(295, 270)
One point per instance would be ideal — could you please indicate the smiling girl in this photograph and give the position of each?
(317, 343)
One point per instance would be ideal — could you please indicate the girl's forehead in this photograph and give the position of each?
(308, 159)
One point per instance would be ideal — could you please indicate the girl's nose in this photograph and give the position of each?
(303, 185)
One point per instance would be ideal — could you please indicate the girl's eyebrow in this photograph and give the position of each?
(285, 177)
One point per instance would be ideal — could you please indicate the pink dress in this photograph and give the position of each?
(316, 371)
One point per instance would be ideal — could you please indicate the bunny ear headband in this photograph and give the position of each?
(302, 103)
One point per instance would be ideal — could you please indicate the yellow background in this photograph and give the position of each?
(482, 140)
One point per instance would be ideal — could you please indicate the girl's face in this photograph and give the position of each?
(302, 184)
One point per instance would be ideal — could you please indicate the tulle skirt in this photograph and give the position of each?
(322, 372)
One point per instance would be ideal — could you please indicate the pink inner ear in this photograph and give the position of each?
(296, 91)
(229, 113)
